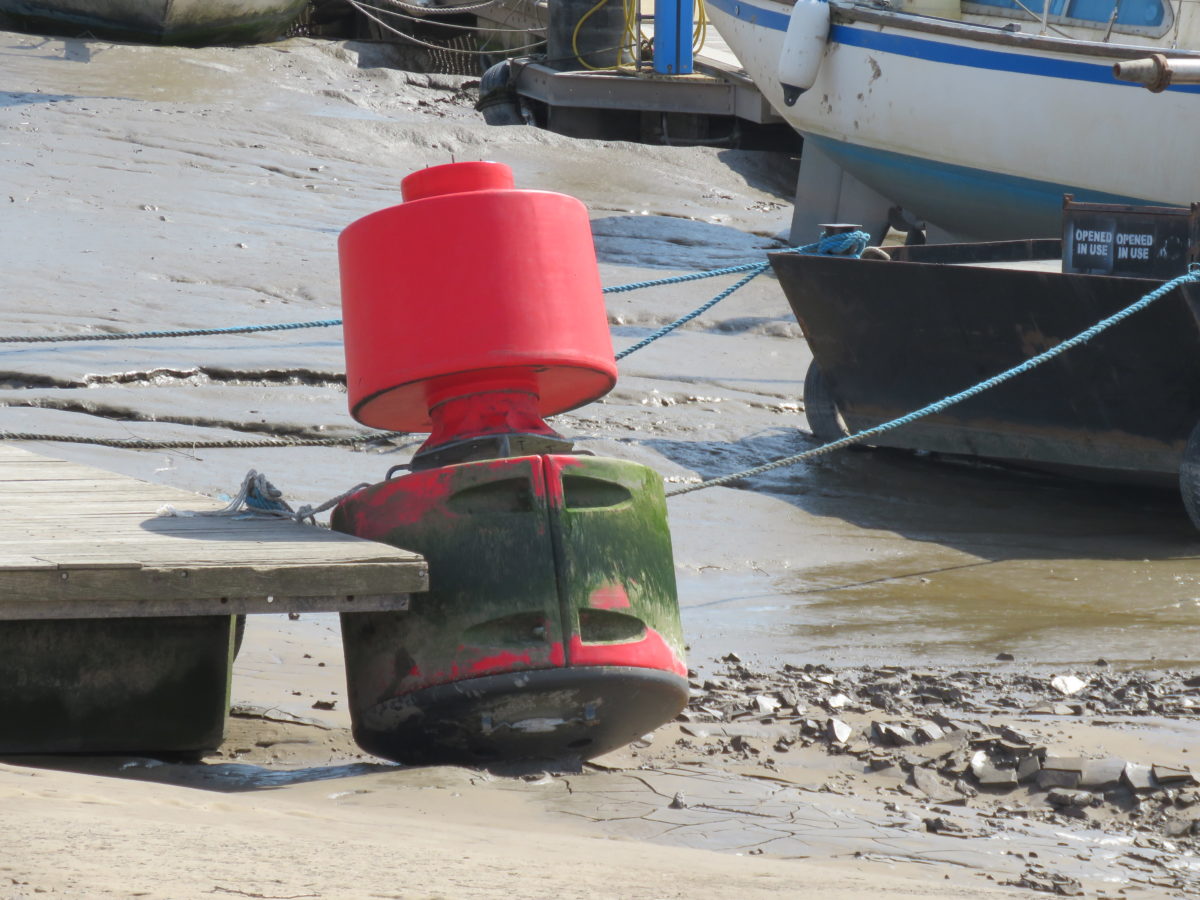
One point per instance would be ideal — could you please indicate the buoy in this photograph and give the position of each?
(551, 628)
(804, 46)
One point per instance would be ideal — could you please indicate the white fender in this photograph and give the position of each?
(803, 47)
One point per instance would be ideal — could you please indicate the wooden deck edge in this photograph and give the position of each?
(82, 543)
(26, 610)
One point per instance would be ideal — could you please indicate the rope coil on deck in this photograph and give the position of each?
(259, 498)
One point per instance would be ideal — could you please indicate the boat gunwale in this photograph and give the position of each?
(845, 11)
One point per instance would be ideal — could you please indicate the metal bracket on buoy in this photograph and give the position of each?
(473, 310)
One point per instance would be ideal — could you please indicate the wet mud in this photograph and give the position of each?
(976, 775)
(157, 188)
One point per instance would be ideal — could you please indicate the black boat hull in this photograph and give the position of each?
(891, 337)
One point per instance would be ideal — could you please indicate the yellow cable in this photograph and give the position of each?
(635, 36)
(700, 33)
(631, 12)
(575, 40)
(632, 34)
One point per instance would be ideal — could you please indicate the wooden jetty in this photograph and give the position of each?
(117, 624)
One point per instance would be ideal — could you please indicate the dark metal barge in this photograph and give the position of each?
(891, 336)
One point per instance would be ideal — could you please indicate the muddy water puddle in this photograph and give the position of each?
(958, 565)
(1040, 611)
(98, 69)
(1062, 612)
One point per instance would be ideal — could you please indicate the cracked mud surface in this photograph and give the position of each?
(159, 188)
(879, 767)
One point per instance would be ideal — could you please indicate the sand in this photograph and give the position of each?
(160, 188)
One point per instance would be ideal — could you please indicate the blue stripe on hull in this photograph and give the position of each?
(946, 51)
(979, 58)
(755, 15)
(970, 202)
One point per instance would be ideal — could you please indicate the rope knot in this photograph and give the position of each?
(851, 243)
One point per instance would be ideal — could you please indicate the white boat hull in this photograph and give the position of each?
(980, 137)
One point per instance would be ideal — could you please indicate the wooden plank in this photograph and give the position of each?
(165, 538)
(96, 492)
(129, 608)
(84, 584)
(76, 542)
(119, 507)
(16, 562)
(222, 551)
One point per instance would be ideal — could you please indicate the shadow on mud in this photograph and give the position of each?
(989, 510)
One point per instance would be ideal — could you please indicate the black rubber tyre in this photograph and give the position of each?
(824, 420)
(1189, 477)
(498, 100)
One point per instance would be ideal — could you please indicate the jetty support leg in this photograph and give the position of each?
(114, 685)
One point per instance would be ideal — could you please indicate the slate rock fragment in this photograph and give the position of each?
(1102, 773)
(1056, 778)
(1173, 775)
(989, 773)
(933, 786)
(1070, 797)
(839, 732)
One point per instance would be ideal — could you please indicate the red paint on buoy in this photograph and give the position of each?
(503, 661)
(651, 652)
(611, 596)
(471, 286)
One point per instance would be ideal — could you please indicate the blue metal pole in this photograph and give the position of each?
(673, 37)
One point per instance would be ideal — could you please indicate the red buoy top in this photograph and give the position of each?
(456, 178)
(471, 286)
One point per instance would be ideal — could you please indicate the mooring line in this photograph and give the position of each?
(232, 443)
(139, 335)
(1191, 276)
(849, 244)
(845, 244)
(667, 329)
(258, 498)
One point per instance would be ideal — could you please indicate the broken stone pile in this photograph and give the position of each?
(941, 733)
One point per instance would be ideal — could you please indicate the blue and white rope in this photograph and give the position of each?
(1192, 276)
(849, 244)
(137, 335)
(838, 244)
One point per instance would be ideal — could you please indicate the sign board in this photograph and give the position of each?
(1133, 241)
